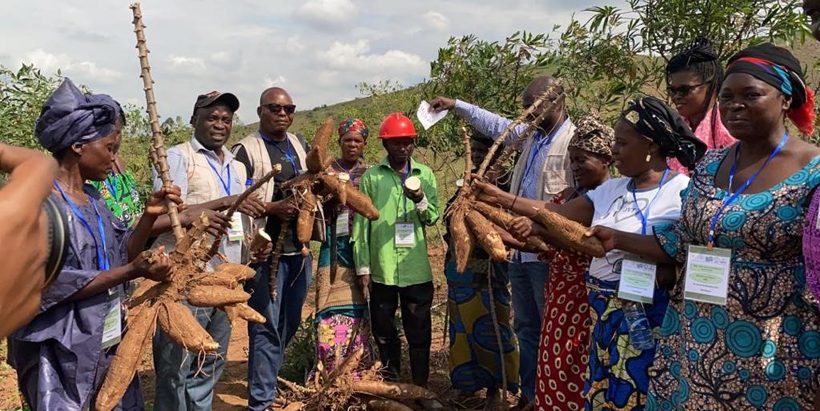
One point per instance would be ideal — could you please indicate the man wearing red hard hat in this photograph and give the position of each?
(392, 251)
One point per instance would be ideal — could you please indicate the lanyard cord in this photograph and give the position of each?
(288, 154)
(535, 150)
(225, 185)
(102, 258)
(734, 195)
(645, 217)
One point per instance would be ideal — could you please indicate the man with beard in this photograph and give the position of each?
(541, 172)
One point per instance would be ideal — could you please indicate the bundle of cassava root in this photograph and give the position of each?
(344, 389)
(474, 222)
(161, 303)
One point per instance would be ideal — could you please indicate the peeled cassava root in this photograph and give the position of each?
(568, 234)
(487, 236)
(120, 373)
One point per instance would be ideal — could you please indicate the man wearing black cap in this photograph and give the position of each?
(210, 179)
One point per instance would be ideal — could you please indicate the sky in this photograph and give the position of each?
(316, 49)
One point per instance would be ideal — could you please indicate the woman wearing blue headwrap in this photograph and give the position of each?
(62, 355)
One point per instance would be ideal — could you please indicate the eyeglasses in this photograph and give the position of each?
(683, 90)
(275, 108)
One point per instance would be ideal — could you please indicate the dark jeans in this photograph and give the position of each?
(267, 341)
(415, 317)
(528, 281)
(182, 382)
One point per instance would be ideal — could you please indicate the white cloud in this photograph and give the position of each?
(332, 12)
(185, 64)
(294, 45)
(437, 20)
(276, 81)
(354, 56)
(221, 57)
(49, 63)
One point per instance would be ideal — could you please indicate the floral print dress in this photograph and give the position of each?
(761, 350)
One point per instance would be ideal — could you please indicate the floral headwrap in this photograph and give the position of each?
(353, 124)
(593, 136)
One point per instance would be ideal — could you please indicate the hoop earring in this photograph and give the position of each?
(648, 157)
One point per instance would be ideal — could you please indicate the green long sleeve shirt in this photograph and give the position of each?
(375, 247)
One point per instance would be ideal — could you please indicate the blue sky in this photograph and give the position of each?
(317, 49)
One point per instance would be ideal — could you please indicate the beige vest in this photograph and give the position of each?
(261, 162)
(556, 174)
(203, 185)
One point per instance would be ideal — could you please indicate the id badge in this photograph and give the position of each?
(112, 325)
(405, 235)
(707, 274)
(637, 279)
(343, 223)
(237, 230)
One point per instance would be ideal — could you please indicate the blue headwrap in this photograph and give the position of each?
(70, 117)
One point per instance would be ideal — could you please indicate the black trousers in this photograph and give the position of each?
(415, 317)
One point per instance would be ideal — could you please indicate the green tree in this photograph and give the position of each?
(22, 94)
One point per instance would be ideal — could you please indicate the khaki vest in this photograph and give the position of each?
(203, 185)
(556, 174)
(261, 162)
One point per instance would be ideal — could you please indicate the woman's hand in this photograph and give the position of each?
(488, 193)
(252, 207)
(154, 265)
(521, 228)
(157, 202)
(606, 235)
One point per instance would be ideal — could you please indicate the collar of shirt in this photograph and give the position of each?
(198, 147)
(413, 165)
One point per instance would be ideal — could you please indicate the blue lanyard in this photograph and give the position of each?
(225, 185)
(645, 217)
(288, 154)
(112, 188)
(102, 257)
(534, 152)
(731, 198)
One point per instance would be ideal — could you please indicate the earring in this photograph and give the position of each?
(648, 157)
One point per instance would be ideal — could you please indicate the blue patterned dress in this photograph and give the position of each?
(761, 350)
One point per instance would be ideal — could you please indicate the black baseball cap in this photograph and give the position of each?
(208, 99)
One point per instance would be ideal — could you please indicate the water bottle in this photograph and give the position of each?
(640, 334)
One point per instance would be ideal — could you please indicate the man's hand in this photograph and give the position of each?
(262, 254)
(284, 210)
(157, 205)
(442, 103)
(415, 196)
(252, 207)
(154, 265)
(217, 221)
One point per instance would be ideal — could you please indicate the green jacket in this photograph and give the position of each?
(374, 246)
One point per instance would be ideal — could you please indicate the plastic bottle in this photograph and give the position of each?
(640, 334)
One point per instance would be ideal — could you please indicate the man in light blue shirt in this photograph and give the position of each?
(541, 172)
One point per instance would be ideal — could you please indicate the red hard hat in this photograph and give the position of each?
(397, 125)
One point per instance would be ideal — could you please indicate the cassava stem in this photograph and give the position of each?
(157, 148)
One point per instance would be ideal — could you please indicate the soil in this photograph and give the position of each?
(231, 390)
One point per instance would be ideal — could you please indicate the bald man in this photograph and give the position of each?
(273, 144)
(541, 172)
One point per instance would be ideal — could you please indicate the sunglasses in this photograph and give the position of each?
(683, 90)
(275, 108)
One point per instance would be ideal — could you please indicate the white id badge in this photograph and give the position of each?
(405, 235)
(637, 280)
(343, 223)
(237, 230)
(707, 274)
(112, 324)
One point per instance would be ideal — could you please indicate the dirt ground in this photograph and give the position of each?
(231, 390)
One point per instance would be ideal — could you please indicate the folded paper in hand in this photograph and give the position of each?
(427, 117)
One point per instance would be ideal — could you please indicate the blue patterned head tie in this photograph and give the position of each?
(353, 124)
